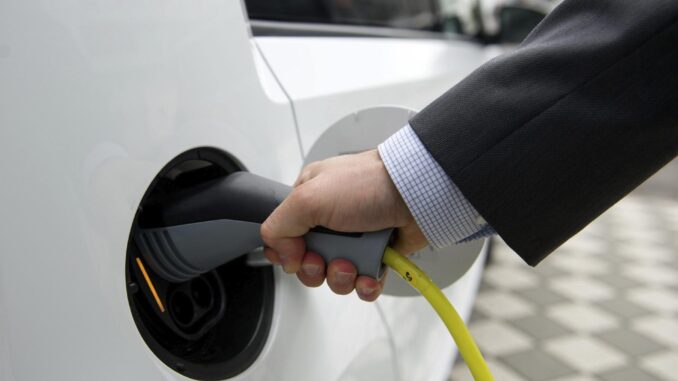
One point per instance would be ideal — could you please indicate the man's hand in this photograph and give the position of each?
(347, 193)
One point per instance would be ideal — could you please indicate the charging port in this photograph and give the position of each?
(215, 325)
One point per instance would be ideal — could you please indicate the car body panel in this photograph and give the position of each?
(96, 98)
(328, 78)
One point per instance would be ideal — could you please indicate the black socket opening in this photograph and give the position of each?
(211, 327)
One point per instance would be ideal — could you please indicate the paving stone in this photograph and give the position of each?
(477, 316)
(540, 327)
(585, 354)
(660, 300)
(484, 286)
(617, 281)
(586, 245)
(584, 318)
(623, 308)
(577, 378)
(603, 307)
(497, 338)
(630, 342)
(500, 372)
(503, 305)
(651, 274)
(537, 365)
(662, 365)
(627, 374)
(542, 296)
(511, 278)
(644, 252)
(581, 264)
(663, 329)
(576, 287)
(546, 271)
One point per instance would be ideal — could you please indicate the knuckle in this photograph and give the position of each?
(267, 231)
(308, 172)
(312, 167)
(304, 196)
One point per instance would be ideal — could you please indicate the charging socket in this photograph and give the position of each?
(213, 326)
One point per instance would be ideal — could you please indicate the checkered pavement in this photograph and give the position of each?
(603, 307)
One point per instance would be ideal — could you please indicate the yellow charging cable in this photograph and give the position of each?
(454, 323)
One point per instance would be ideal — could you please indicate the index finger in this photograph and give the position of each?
(294, 217)
(283, 229)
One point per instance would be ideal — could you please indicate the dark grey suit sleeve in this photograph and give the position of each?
(543, 140)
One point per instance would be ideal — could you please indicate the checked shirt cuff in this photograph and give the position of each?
(442, 212)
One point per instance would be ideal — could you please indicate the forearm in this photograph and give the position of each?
(544, 139)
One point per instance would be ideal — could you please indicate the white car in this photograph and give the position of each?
(105, 104)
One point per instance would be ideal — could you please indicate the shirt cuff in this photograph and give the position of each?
(442, 212)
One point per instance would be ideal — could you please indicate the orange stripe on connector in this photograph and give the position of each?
(150, 285)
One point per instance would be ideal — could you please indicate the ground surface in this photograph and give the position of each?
(603, 307)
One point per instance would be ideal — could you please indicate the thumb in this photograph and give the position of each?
(409, 239)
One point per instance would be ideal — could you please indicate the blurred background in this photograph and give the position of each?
(495, 21)
(604, 306)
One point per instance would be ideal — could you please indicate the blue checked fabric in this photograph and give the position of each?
(440, 209)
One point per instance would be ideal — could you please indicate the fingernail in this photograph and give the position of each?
(288, 268)
(283, 259)
(343, 279)
(366, 291)
(311, 270)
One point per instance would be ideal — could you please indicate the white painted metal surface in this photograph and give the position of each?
(328, 78)
(96, 97)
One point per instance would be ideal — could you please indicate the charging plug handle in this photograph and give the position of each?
(198, 229)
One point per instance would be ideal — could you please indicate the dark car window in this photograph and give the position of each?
(405, 14)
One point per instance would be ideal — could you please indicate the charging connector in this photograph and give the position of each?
(197, 229)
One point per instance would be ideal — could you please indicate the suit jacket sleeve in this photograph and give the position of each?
(544, 139)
